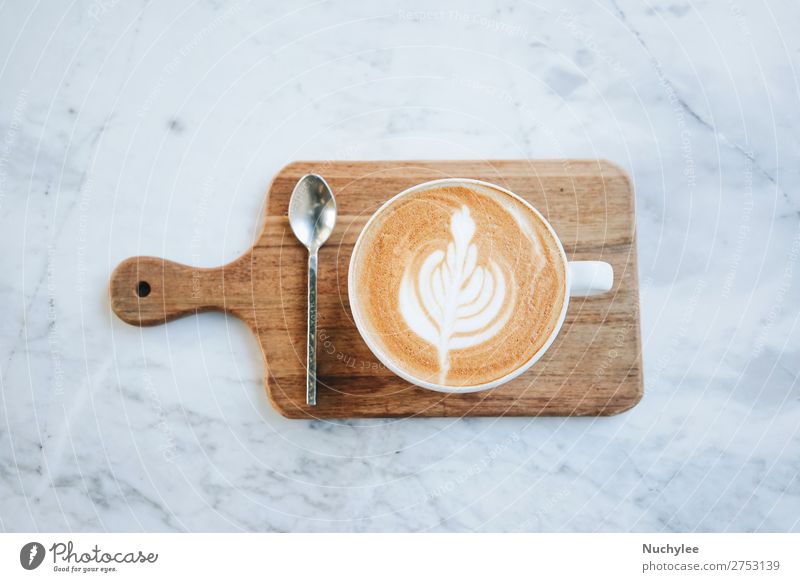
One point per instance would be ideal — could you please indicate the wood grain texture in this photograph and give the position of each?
(593, 368)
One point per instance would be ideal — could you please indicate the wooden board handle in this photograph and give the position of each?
(151, 291)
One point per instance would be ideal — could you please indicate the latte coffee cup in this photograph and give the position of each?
(459, 285)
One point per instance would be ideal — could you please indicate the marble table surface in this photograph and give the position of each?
(142, 128)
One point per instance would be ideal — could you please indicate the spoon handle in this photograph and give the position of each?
(311, 360)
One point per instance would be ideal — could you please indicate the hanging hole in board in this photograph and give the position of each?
(143, 288)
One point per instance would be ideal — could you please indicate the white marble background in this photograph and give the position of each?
(136, 127)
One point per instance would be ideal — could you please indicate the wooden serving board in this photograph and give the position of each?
(593, 368)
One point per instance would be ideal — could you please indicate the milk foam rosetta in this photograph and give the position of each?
(452, 302)
(458, 284)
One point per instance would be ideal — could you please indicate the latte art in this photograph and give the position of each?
(452, 302)
(457, 284)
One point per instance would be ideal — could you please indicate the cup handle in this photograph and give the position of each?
(589, 278)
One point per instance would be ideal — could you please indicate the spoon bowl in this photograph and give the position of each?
(312, 211)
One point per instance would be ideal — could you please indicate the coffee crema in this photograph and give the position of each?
(458, 284)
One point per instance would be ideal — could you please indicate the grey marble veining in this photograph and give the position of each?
(132, 128)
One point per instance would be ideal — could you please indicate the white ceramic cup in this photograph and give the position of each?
(583, 278)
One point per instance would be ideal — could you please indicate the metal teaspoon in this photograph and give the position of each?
(312, 216)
